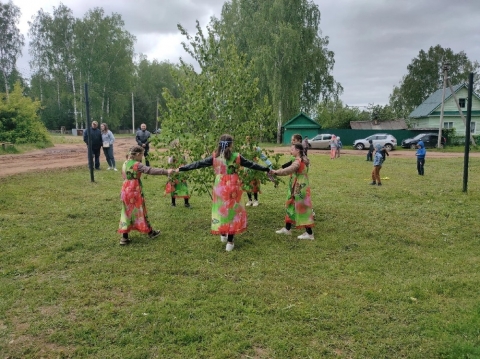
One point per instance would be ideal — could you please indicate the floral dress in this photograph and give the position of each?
(177, 184)
(133, 215)
(228, 212)
(298, 206)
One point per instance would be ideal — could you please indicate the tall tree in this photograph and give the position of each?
(11, 40)
(104, 51)
(53, 53)
(283, 39)
(151, 78)
(425, 76)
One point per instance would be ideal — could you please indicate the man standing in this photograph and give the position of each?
(96, 143)
(143, 139)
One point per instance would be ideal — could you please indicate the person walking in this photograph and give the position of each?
(298, 206)
(96, 140)
(421, 153)
(107, 145)
(377, 165)
(143, 139)
(133, 215)
(229, 216)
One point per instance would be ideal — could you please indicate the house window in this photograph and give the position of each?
(448, 125)
(472, 127)
(461, 102)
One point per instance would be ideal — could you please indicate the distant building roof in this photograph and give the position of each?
(433, 101)
(398, 124)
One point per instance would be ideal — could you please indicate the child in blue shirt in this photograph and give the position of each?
(421, 152)
(377, 165)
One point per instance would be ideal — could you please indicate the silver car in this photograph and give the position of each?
(320, 142)
(384, 139)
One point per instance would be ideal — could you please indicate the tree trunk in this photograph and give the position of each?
(74, 101)
(6, 83)
(279, 123)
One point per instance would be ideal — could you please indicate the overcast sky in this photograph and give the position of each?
(373, 40)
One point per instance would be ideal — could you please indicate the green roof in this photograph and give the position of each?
(433, 101)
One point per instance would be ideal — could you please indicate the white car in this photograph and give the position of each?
(384, 139)
(320, 142)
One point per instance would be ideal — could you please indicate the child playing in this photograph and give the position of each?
(177, 186)
(333, 147)
(228, 213)
(370, 151)
(298, 207)
(252, 185)
(377, 165)
(421, 153)
(339, 146)
(134, 212)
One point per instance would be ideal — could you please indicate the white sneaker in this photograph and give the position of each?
(229, 247)
(255, 204)
(223, 239)
(284, 231)
(306, 236)
(115, 169)
(109, 168)
(249, 203)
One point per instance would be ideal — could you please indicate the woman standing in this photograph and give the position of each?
(107, 140)
(229, 216)
(298, 207)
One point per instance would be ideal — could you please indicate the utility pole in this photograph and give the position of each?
(446, 79)
(133, 116)
(156, 119)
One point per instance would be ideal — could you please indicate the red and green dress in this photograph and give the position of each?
(228, 212)
(134, 213)
(298, 206)
(177, 183)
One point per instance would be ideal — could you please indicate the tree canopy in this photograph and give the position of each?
(425, 76)
(283, 40)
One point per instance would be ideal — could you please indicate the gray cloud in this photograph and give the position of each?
(373, 40)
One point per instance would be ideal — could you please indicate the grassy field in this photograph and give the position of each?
(393, 271)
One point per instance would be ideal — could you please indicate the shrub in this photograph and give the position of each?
(19, 120)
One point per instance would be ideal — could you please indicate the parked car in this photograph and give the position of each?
(383, 139)
(429, 140)
(320, 142)
(158, 130)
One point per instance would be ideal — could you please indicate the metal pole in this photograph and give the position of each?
(133, 116)
(89, 135)
(467, 132)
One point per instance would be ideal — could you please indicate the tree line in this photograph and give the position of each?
(278, 43)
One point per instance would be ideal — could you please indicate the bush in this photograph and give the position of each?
(19, 120)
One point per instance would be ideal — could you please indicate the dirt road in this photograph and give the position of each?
(75, 154)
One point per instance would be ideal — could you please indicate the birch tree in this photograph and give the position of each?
(11, 40)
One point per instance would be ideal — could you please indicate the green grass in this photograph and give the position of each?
(392, 273)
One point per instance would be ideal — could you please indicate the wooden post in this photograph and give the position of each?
(445, 75)
(467, 132)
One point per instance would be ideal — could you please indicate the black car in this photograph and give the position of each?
(430, 140)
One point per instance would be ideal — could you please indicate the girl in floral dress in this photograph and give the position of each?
(134, 213)
(177, 185)
(228, 212)
(298, 207)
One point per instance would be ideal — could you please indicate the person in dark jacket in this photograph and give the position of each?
(370, 151)
(143, 139)
(421, 153)
(96, 138)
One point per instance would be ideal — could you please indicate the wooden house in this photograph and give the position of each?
(427, 115)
